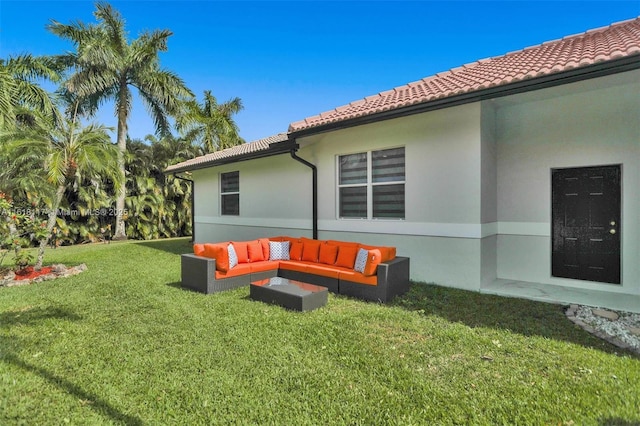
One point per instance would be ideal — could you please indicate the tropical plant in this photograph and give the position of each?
(59, 155)
(107, 65)
(211, 124)
(20, 92)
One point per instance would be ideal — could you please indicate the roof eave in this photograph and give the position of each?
(601, 69)
(277, 148)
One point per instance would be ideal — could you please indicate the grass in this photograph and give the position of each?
(122, 344)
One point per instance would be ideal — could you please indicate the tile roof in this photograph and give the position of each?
(616, 41)
(236, 151)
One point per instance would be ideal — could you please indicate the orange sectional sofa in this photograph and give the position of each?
(359, 270)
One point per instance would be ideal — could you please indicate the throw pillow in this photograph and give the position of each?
(328, 253)
(278, 250)
(255, 251)
(310, 250)
(295, 251)
(361, 260)
(346, 256)
(233, 257)
(241, 251)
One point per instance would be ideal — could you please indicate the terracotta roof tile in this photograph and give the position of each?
(615, 41)
(247, 148)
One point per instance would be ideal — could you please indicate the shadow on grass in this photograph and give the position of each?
(30, 316)
(525, 317)
(173, 245)
(618, 422)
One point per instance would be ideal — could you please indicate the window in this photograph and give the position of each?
(230, 193)
(371, 185)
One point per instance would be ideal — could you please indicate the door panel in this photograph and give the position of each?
(586, 223)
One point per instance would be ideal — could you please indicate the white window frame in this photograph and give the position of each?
(222, 194)
(369, 185)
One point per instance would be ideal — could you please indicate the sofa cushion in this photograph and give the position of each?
(324, 270)
(374, 257)
(278, 250)
(241, 251)
(328, 253)
(233, 257)
(361, 260)
(218, 252)
(241, 269)
(310, 250)
(293, 265)
(387, 253)
(255, 251)
(265, 248)
(265, 265)
(346, 256)
(357, 277)
(198, 249)
(295, 250)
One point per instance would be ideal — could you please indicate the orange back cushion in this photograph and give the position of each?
(219, 253)
(256, 253)
(265, 248)
(347, 256)
(295, 250)
(310, 250)
(198, 249)
(373, 259)
(242, 251)
(328, 254)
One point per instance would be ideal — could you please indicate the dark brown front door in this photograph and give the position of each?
(586, 223)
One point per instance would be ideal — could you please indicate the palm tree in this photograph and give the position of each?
(59, 155)
(211, 124)
(19, 92)
(107, 65)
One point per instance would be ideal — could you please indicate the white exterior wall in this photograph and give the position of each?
(442, 230)
(597, 124)
(275, 199)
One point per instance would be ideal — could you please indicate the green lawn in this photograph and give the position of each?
(122, 343)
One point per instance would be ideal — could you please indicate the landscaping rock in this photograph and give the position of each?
(635, 331)
(603, 313)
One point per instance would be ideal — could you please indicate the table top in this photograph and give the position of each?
(284, 284)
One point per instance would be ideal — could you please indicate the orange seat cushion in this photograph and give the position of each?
(293, 265)
(347, 256)
(218, 252)
(324, 270)
(359, 278)
(237, 270)
(266, 265)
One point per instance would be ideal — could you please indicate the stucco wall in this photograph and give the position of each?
(275, 196)
(553, 128)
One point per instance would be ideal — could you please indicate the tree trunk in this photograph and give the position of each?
(120, 231)
(51, 222)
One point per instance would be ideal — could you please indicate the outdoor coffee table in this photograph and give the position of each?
(288, 293)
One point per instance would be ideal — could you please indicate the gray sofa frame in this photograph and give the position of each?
(198, 273)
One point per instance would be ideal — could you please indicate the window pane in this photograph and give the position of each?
(353, 202)
(388, 165)
(353, 169)
(230, 182)
(388, 201)
(231, 204)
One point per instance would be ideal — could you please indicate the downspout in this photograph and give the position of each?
(314, 184)
(193, 212)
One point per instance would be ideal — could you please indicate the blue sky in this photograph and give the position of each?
(290, 60)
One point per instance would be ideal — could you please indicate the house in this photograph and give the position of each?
(514, 175)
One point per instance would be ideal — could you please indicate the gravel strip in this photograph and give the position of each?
(624, 331)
